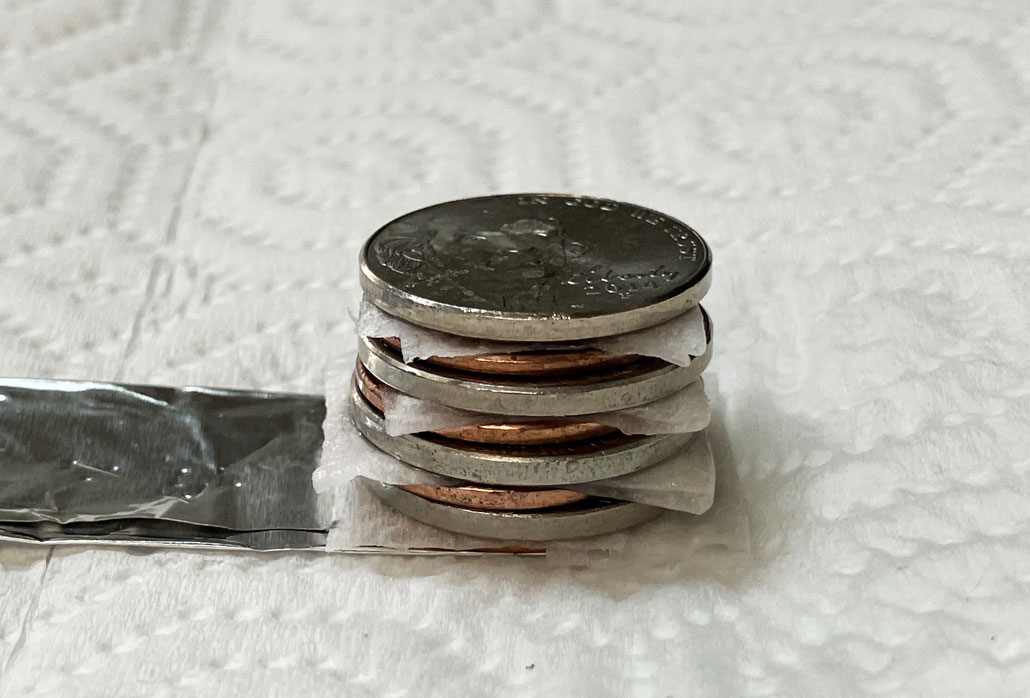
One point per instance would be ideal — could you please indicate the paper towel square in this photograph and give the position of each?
(676, 340)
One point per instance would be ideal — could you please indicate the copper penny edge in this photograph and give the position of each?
(502, 433)
(495, 498)
(543, 363)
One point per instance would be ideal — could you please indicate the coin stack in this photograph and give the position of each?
(553, 295)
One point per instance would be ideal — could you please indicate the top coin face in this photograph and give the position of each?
(535, 267)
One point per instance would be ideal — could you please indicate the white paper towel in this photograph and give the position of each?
(363, 521)
(185, 188)
(677, 340)
(684, 482)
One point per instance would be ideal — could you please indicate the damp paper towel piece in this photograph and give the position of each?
(676, 340)
(684, 411)
(361, 521)
(684, 481)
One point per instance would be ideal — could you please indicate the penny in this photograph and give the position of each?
(535, 267)
(642, 381)
(528, 363)
(495, 498)
(513, 433)
(544, 465)
(528, 433)
(587, 517)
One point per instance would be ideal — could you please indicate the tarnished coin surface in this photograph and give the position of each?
(588, 517)
(510, 432)
(535, 267)
(496, 498)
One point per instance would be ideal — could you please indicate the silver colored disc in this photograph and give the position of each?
(591, 518)
(638, 383)
(535, 267)
(527, 466)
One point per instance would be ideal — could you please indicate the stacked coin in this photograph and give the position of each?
(534, 282)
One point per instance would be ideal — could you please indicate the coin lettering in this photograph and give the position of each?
(534, 255)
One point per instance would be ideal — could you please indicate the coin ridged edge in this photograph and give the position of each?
(529, 400)
(493, 466)
(522, 326)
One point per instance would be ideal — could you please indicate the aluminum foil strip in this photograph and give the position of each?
(96, 463)
(138, 535)
(154, 533)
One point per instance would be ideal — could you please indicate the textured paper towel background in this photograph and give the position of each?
(184, 189)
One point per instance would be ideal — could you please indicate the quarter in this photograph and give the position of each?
(501, 432)
(535, 267)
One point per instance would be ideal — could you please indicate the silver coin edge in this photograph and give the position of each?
(499, 469)
(560, 401)
(501, 326)
(485, 324)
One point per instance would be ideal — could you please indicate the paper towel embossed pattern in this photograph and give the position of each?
(184, 185)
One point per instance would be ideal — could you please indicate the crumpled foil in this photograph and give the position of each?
(196, 467)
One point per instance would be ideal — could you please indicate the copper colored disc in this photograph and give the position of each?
(545, 431)
(530, 363)
(527, 433)
(495, 498)
(369, 386)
